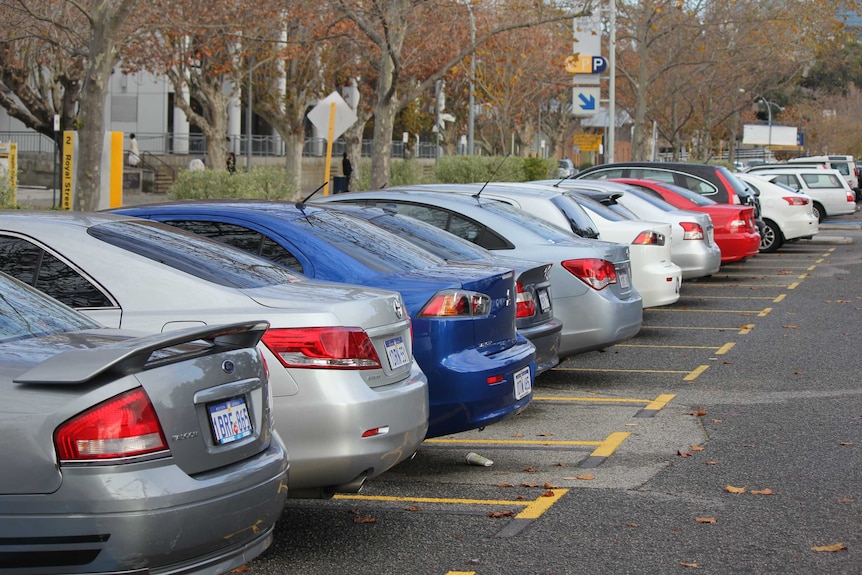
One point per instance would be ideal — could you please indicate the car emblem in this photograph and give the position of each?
(399, 311)
(228, 366)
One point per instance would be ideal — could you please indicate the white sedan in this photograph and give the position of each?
(829, 190)
(787, 214)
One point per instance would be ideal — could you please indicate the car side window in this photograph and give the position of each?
(606, 174)
(34, 266)
(702, 187)
(456, 224)
(649, 174)
(241, 237)
(788, 180)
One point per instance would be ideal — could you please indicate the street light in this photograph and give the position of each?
(769, 105)
(471, 112)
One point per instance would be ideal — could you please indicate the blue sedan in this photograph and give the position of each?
(479, 369)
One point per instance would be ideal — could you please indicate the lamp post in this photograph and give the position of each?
(471, 113)
(769, 105)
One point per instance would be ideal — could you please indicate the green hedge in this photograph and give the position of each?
(466, 169)
(260, 184)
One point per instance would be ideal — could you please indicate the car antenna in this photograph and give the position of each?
(491, 177)
(301, 203)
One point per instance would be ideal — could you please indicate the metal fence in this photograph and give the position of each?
(164, 144)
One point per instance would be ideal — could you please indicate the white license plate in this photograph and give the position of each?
(396, 351)
(230, 420)
(544, 300)
(523, 383)
(624, 280)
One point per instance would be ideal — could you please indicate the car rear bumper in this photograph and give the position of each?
(798, 226)
(146, 517)
(593, 321)
(546, 339)
(323, 427)
(658, 284)
(461, 397)
(736, 247)
(697, 259)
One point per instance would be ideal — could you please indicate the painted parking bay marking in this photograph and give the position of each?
(531, 511)
(690, 375)
(603, 449)
(741, 330)
(652, 405)
(760, 313)
(720, 350)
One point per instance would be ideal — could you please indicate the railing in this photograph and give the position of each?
(165, 144)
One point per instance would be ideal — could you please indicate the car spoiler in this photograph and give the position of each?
(132, 355)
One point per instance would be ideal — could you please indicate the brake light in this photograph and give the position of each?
(795, 200)
(649, 238)
(457, 303)
(692, 231)
(123, 426)
(596, 273)
(335, 347)
(851, 197)
(524, 304)
(740, 224)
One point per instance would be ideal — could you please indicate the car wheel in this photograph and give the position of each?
(770, 237)
(819, 212)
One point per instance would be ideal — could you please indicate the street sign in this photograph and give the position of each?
(588, 142)
(585, 100)
(585, 64)
(344, 116)
(599, 64)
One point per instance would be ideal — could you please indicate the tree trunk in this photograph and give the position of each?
(293, 144)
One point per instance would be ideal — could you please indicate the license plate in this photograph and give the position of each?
(544, 300)
(523, 383)
(396, 351)
(230, 420)
(624, 280)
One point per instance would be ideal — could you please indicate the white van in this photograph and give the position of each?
(844, 164)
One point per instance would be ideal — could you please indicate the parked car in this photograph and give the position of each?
(566, 168)
(787, 213)
(830, 192)
(130, 453)
(654, 275)
(349, 400)
(734, 229)
(534, 310)
(591, 280)
(716, 182)
(845, 165)
(693, 246)
(479, 369)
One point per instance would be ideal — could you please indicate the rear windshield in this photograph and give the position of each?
(193, 254)
(547, 231)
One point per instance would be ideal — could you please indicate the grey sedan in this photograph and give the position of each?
(122, 454)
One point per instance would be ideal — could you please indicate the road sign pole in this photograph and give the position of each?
(329, 139)
(612, 85)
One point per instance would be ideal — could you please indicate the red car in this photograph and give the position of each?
(735, 231)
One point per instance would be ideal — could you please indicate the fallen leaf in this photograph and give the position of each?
(505, 485)
(705, 519)
(790, 326)
(549, 485)
(240, 569)
(548, 493)
(631, 524)
(544, 435)
(586, 476)
(498, 514)
(830, 548)
(698, 413)
(846, 443)
(518, 435)
(718, 421)
(710, 462)
(520, 498)
(797, 373)
(413, 508)
(561, 464)
(354, 511)
(530, 470)
(697, 448)
(766, 491)
(529, 485)
(683, 453)
(732, 489)
(846, 500)
(684, 564)
(366, 519)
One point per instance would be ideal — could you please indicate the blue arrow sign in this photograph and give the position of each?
(585, 100)
(587, 103)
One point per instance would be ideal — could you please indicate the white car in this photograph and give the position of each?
(654, 275)
(693, 246)
(343, 407)
(787, 214)
(831, 194)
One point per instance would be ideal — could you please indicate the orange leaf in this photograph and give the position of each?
(548, 493)
(790, 326)
(631, 524)
(732, 489)
(413, 508)
(549, 485)
(505, 485)
(518, 435)
(705, 519)
(683, 453)
(586, 476)
(830, 548)
(684, 564)
(710, 462)
(697, 448)
(529, 485)
(366, 519)
(530, 469)
(718, 421)
(846, 500)
(846, 443)
(766, 491)
(240, 569)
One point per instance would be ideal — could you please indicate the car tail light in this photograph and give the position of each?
(851, 197)
(648, 238)
(335, 347)
(740, 223)
(795, 200)
(123, 426)
(692, 231)
(596, 273)
(457, 303)
(524, 304)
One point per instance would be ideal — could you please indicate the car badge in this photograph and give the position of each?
(399, 311)
(228, 366)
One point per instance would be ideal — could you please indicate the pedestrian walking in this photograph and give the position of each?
(231, 163)
(346, 170)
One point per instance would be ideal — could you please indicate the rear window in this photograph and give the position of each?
(540, 227)
(192, 254)
(821, 181)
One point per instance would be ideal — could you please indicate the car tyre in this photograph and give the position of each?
(819, 212)
(770, 237)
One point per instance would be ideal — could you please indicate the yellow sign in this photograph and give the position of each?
(588, 142)
(67, 187)
(579, 64)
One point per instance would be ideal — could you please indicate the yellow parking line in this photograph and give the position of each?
(592, 399)
(725, 348)
(618, 370)
(460, 573)
(655, 405)
(665, 346)
(765, 312)
(794, 285)
(694, 374)
(746, 329)
(533, 442)
(711, 310)
(606, 449)
(743, 297)
(779, 298)
(740, 285)
(696, 327)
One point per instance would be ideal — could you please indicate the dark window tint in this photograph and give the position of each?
(193, 254)
(604, 174)
(25, 313)
(34, 266)
(243, 238)
(579, 220)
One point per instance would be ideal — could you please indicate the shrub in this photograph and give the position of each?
(259, 184)
(466, 169)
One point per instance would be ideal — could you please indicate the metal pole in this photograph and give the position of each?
(248, 118)
(612, 81)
